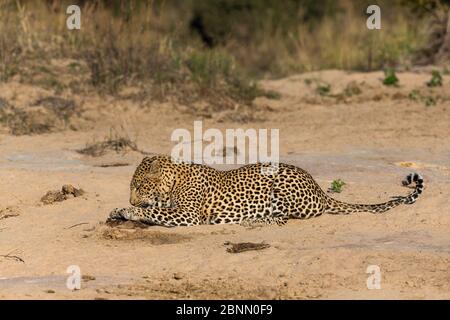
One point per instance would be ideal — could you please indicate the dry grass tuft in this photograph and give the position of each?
(116, 141)
(46, 115)
(197, 50)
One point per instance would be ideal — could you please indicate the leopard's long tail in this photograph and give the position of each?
(339, 207)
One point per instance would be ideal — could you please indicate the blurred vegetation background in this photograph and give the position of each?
(215, 49)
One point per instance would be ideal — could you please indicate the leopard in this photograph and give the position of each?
(167, 192)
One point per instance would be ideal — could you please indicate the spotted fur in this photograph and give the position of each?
(168, 193)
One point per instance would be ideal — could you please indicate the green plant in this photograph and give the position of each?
(429, 101)
(436, 79)
(390, 78)
(336, 186)
(323, 89)
(414, 95)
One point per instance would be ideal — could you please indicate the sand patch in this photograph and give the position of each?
(359, 139)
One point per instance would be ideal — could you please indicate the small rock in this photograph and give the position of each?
(69, 189)
(50, 291)
(9, 212)
(87, 277)
(177, 276)
(53, 196)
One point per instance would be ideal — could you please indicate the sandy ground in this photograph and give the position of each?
(371, 140)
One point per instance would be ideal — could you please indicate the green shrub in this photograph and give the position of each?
(390, 78)
(436, 79)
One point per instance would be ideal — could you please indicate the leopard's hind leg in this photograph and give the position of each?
(277, 213)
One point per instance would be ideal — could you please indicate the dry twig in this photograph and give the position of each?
(14, 257)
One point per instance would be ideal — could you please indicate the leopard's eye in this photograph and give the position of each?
(136, 185)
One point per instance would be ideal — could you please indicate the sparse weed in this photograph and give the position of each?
(436, 79)
(415, 95)
(430, 101)
(323, 89)
(427, 100)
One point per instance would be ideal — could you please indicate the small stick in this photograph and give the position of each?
(76, 225)
(8, 215)
(9, 256)
(117, 164)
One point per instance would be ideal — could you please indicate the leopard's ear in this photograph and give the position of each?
(154, 171)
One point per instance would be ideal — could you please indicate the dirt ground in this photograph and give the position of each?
(362, 132)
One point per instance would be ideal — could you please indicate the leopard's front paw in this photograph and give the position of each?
(118, 214)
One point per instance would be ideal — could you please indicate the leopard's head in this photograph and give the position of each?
(152, 182)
